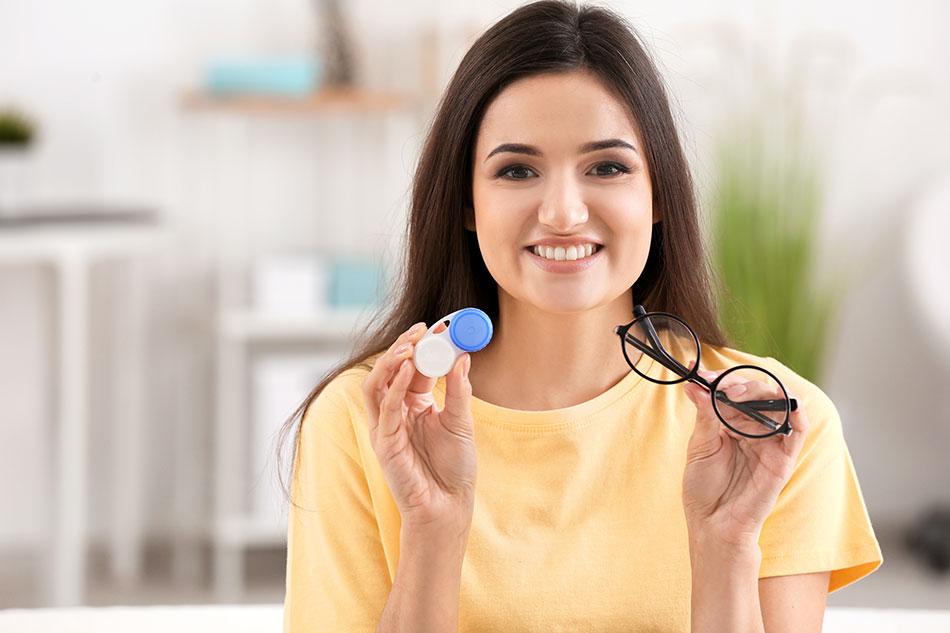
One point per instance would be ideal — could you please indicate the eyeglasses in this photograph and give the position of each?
(762, 410)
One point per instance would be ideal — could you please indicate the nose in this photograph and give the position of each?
(563, 206)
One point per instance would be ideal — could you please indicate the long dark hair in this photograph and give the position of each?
(542, 37)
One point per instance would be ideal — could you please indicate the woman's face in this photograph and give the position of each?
(562, 200)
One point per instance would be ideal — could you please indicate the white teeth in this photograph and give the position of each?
(561, 253)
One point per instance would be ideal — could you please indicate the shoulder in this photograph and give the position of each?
(339, 407)
(346, 387)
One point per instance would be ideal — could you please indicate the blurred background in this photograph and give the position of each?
(201, 201)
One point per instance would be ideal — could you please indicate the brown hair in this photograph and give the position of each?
(542, 37)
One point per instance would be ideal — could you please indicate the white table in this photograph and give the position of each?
(268, 619)
(72, 249)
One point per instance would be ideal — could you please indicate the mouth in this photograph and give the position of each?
(574, 252)
(561, 260)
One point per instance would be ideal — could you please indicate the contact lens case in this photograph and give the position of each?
(469, 330)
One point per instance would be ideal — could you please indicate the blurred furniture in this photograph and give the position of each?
(269, 618)
(242, 335)
(241, 329)
(71, 242)
(927, 260)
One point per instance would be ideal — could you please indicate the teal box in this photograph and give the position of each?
(288, 77)
(355, 283)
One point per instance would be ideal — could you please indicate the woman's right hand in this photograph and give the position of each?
(427, 455)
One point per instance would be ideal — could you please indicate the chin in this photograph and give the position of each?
(568, 303)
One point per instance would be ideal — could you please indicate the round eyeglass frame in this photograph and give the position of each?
(692, 375)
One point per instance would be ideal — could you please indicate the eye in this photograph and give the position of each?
(610, 169)
(515, 172)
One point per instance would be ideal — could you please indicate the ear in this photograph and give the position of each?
(470, 219)
(657, 216)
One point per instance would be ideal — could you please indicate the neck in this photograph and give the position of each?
(539, 360)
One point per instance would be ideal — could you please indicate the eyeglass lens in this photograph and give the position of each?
(668, 342)
(758, 411)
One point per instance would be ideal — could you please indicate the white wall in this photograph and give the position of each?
(105, 77)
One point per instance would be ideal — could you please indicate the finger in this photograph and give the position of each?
(375, 383)
(706, 431)
(381, 376)
(702, 372)
(390, 410)
(414, 333)
(410, 336)
(743, 391)
(711, 376)
(458, 395)
(732, 384)
(421, 384)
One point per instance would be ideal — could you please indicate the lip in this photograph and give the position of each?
(564, 266)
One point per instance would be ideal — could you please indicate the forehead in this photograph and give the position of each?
(556, 109)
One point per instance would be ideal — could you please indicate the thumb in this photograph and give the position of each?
(458, 393)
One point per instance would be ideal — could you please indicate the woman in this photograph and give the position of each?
(543, 485)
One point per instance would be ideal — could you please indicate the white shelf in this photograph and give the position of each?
(238, 329)
(255, 326)
(40, 243)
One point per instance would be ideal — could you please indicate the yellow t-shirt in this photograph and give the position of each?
(578, 521)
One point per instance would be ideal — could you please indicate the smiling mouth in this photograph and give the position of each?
(565, 253)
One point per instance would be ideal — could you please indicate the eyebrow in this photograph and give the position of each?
(530, 150)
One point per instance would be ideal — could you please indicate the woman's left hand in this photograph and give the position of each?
(731, 482)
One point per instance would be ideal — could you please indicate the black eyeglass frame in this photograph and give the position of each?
(659, 354)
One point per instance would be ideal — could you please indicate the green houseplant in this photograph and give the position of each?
(16, 130)
(764, 222)
(16, 134)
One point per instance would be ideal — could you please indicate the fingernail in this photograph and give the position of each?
(468, 365)
(418, 327)
(735, 390)
(402, 349)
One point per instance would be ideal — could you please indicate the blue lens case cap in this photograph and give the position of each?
(470, 329)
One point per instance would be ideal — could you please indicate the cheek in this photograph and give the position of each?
(499, 219)
(632, 234)
(496, 236)
(630, 219)
(489, 232)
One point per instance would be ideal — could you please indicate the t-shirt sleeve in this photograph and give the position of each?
(820, 522)
(337, 578)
